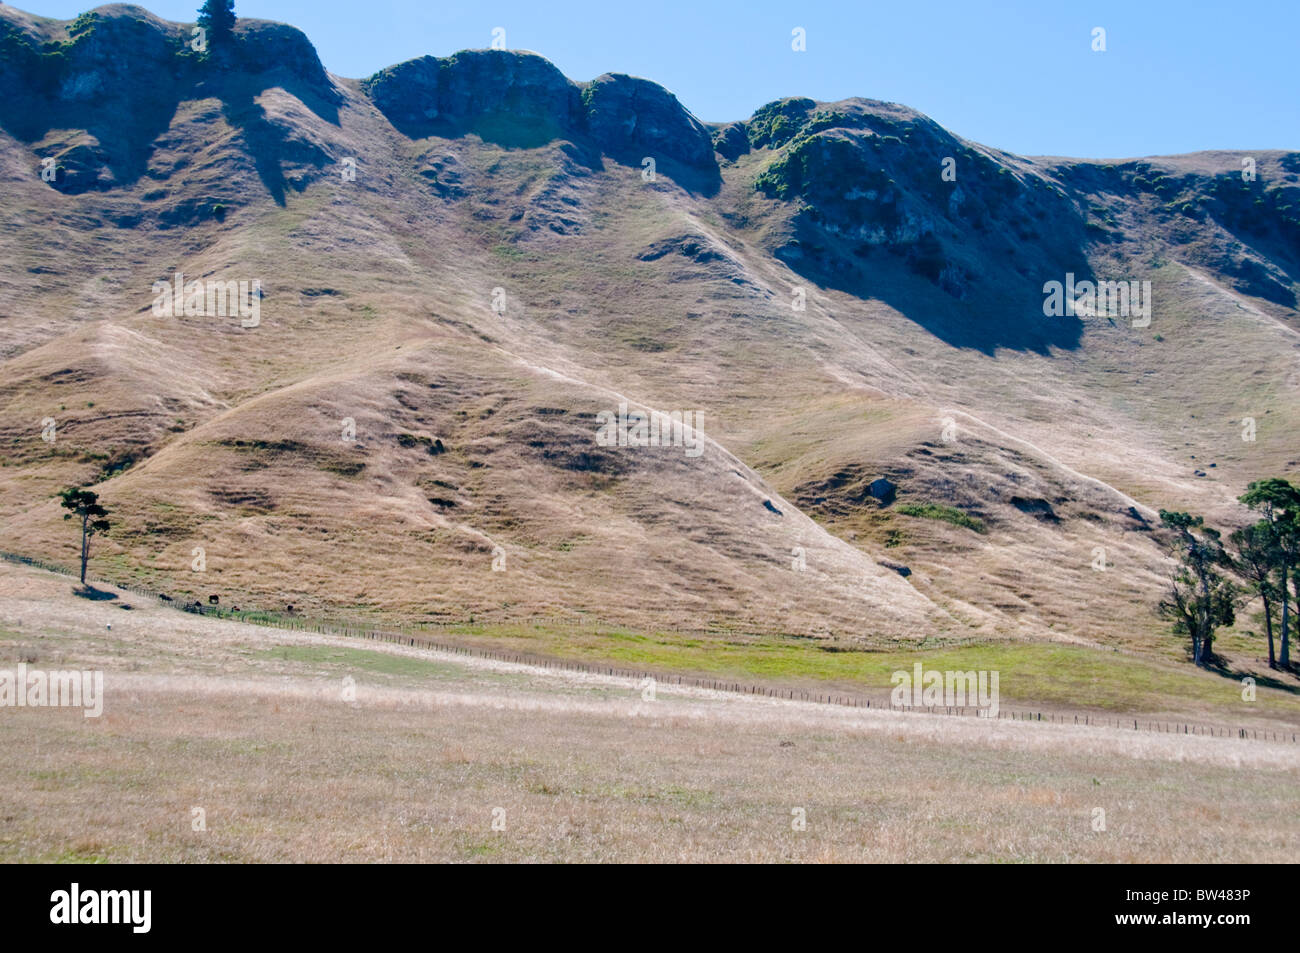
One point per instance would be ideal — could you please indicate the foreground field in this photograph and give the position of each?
(256, 728)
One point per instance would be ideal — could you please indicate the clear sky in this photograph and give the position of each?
(1021, 75)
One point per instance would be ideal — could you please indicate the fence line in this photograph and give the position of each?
(692, 681)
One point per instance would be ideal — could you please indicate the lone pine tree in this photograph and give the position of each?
(218, 18)
(84, 505)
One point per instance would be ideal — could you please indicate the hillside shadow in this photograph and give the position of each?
(124, 132)
(127, 123)
(264, 138)
(700, 182)
(523, 133)
(999, 310)
(500, 129)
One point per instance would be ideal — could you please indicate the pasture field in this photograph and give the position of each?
(440, 757)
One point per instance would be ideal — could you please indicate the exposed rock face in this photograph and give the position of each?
(871, 206)
(522, 98)
(731, 141)
(1262, 215)
(873, 176)
(408, 92)
(486, 91)
(93, 65)
(523, 84)
(116, 75)
(125, 53)
(265, 46)
(62, 76)
(633, 117)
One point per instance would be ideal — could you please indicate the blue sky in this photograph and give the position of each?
(1016, 74)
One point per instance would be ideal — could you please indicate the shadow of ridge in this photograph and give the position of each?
(513, 132)
(127, 124)
(264, 138)
(699, 182)
(268, 143)
(124, 131)
(1002, 310)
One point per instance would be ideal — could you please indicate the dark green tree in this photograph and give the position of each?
(1200, 599)
(1289, 536)
(1256, 561)
(218, 18)
(1279, 503)
(84, 505)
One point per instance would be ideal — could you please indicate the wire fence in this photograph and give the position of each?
(849, 700)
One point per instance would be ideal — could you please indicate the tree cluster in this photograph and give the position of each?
(1212, 579)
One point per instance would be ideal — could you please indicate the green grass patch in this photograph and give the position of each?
(938, 511)
(1077, 678)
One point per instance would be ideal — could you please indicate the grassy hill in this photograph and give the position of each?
(499, 270)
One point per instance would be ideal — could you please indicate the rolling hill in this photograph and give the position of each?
(463, 262)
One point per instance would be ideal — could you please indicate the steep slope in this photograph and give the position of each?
(464, 261)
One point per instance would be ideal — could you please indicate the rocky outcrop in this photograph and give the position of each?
(632, 118)
(96, 92)
(883, 490)
(1256, 244)
(266, 47)
(126, 54)
(498, 93)
(876, 176)
(731, 141)
(522, 99)
(777, 123)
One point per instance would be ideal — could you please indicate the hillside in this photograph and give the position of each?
(499, 271)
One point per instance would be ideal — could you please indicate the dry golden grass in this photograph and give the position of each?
(198, 433)
(315, 780)
(252, 726)
(378, 309)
